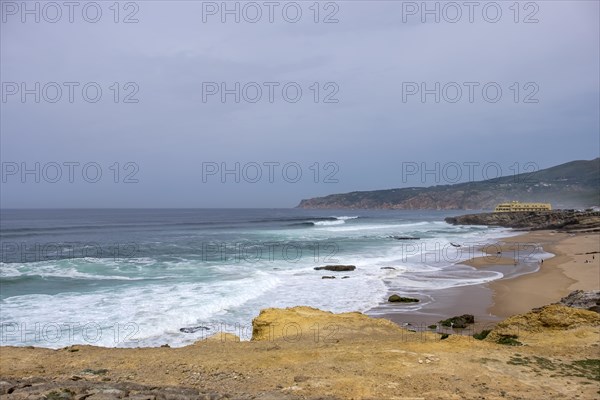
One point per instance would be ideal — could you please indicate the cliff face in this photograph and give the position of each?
(571, 185)
(558, 219)
(303, 323)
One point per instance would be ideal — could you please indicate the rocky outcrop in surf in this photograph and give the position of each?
(566, 220)
(336, 268)
(400, 299)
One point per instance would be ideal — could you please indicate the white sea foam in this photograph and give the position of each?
(157, 311)
(81, 268)
(328, 223)
(9, 270)
(160, 297)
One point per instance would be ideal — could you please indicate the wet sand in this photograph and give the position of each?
(473, 299)
(557, 276)
(527, 282)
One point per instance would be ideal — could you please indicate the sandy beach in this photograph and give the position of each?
(557, 276)
(527, 283)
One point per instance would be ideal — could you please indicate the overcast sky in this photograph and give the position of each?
(163, 130)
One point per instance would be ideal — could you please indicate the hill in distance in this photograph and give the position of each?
(575, 184)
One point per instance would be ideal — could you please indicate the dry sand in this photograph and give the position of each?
(557, 276)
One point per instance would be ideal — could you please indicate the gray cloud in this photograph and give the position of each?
(368, 134)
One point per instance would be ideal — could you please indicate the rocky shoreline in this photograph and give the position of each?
(305, 353)
(561, 220)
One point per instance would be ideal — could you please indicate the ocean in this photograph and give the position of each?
(149, 277)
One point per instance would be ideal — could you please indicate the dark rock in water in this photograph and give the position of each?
(459, 322)
(587, 300)
(404, 238)
(388, 268)
(193, 329)
(399, 299)
(328, 277)
(336, 268)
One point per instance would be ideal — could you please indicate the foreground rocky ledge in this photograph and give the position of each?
(567, 220)
(305, 353)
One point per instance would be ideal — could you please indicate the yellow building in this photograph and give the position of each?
(515, 206)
